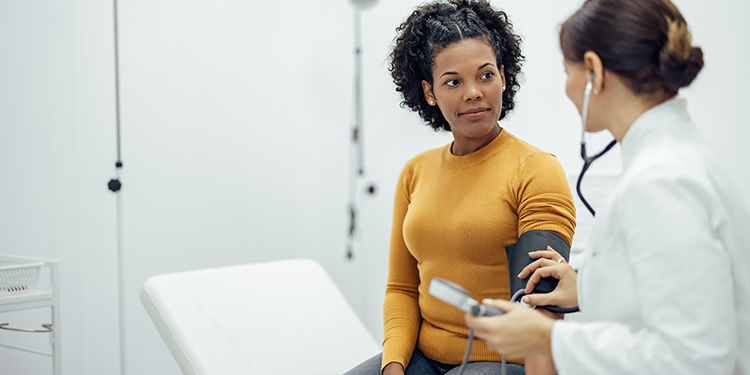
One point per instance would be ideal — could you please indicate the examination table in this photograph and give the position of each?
(281, 317)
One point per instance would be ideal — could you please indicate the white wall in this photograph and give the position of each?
(235, 123)
(56, 156)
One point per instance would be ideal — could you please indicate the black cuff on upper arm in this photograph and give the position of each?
(518, 258)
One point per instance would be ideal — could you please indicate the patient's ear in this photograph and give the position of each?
(428, 95)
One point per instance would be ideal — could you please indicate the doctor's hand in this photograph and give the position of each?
(520, 332)
(549, 264)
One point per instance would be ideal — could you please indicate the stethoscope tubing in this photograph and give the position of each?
(587, 160)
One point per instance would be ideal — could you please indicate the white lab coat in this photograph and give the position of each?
(664, 286)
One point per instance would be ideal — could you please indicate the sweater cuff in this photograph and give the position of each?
(392, 353)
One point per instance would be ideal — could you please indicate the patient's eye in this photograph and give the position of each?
(452, 82)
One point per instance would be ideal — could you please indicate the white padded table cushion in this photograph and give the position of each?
(284, 317)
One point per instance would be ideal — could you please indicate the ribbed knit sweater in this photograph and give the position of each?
(453, 216)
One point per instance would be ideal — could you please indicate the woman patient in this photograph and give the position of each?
(457, 207)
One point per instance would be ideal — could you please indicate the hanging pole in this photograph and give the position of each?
(358, 92)
(121, 285)
(117, 90)
(118, 163)
(356, 158)
(115, 185)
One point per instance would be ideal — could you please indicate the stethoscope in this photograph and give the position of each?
(587, 160)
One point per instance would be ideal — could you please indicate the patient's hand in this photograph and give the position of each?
(393, 368)
(547, 264)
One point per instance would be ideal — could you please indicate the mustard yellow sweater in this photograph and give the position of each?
(453, 216)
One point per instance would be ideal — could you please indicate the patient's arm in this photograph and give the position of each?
(542, 364)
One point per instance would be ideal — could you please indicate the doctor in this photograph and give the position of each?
(664, 286)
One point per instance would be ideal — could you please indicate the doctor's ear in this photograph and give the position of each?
(595, 68)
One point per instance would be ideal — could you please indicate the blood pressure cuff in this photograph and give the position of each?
(518, 258)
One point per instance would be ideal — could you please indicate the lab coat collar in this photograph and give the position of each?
(649, 124)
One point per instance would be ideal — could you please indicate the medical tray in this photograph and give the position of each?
(18, 277)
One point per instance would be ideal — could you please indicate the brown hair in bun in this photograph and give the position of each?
(647, 43)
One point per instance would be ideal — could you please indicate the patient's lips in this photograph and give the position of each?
(475, 113)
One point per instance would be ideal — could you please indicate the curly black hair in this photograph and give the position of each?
(433, 27)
